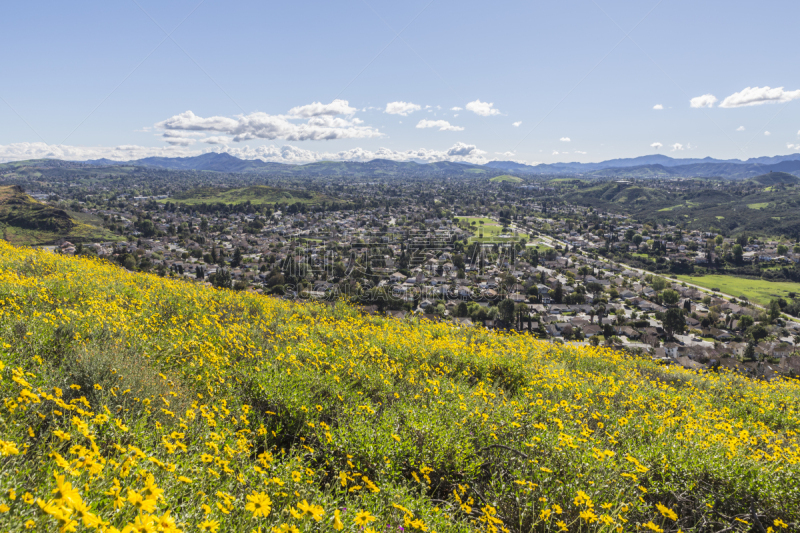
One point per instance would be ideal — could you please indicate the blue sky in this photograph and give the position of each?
(567, 80)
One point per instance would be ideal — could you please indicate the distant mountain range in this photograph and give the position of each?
(649, 166)
(662, 165)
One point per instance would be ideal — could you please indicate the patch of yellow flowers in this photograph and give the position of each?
(137, 404)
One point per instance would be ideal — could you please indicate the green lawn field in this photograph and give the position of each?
(756, 290)
(490, 230)
(508, 178)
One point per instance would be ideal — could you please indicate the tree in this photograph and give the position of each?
(222, 279)
(558, 293)
(637, 239)
(129, 262)
(506, 310)
(670, 297)
(718, 240)
(462, 310)
(738, 253)
(659, 283)
(236, 260)
(745, 322)
(338, 269)
(783, 249)
(757, 332)
(147, 228)
(774, 310)
(673, 321)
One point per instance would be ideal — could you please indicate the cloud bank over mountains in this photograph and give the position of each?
(459, 152)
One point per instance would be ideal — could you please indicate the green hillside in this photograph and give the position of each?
(257, 195)
(506, 178)
(148, 404)
(775, 178)
(23, 220)
(770, 210)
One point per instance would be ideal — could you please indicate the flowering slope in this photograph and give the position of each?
(140, 404)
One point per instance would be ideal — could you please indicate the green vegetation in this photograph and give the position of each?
(507, 178)
(775, 178)
(730, 208)
(756, 290)
(24, 221)
(136, 401)
(488, 230)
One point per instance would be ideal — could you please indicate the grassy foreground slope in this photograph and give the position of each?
(138, 404)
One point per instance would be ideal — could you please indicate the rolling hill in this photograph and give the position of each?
(506, 178)
(775, 178)
(24, 220)
(257, 195)
(762, 211)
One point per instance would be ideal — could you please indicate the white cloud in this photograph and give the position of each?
(740, 128)
(555, 152)
(658, 106)
(656, 145)
(218, 139)
(517, 124)
(401, 108)
(463, 150)
(337, 107)
(181, 142)
(767, 133)
(707, 100)
(483, 109)
(443, 125)
(579, 152)
(791, 146)
(456, 108)
(507, 154)
(565, 139)
(677, 146)
(759, 95)
(181, 135)
(321, 125)
(39, 150)
(283, 154)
